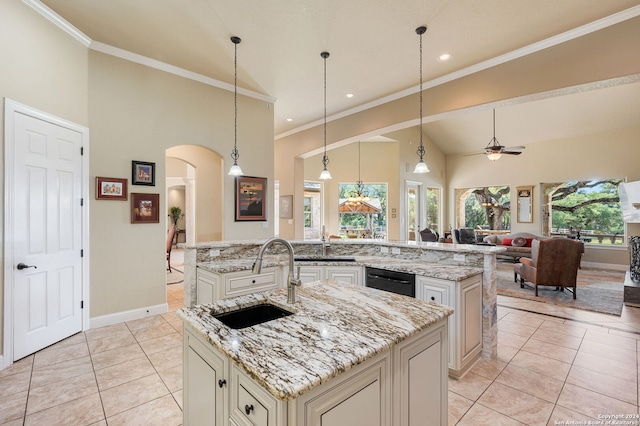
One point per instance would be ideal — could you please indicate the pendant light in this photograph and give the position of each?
(235, 169)
(356, 199)
(325, 175)
(494, 147)
(421, 167)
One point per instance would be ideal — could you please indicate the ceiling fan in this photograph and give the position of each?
(494, 150)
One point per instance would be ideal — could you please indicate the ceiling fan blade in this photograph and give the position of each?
(511, 152)
(511, 148)
(475, 153)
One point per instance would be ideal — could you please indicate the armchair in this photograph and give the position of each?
(554, 262)
(170, 235)
(427, 234)
(464, 236)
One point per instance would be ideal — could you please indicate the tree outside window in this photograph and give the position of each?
(369, 221)
(484, 207)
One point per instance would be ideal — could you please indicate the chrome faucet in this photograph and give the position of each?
(292, 282)
(326, 242)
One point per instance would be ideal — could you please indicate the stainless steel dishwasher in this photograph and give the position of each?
(391, 281)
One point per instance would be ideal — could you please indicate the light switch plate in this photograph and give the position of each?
(459, 257)
(214, 253)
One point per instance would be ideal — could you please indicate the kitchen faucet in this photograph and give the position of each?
(292, 282)
(326, 242)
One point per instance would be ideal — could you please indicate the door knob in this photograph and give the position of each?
(22, 266)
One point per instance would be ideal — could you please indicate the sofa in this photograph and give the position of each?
(515, 251)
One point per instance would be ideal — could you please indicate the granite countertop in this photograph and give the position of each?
(335, 327)
(433, 270)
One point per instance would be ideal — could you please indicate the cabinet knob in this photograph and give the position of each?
(433, 298)
(222, 382)
(253, 281)
(248, 409)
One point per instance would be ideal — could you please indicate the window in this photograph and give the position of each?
(433, 208)
(585, 210)
(312, 210)
(308, 222)
(369, 219)
(484, 208)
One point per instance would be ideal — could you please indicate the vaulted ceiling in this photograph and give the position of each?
(374, 55)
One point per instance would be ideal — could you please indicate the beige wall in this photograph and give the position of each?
(137, 113)
(608, 155)
(43, 68)
(209, 188)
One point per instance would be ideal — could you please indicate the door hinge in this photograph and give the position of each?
(82, 253)
(81, 202)
(82, 150)
(82, 304)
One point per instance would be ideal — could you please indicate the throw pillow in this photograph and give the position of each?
(491, 239)
(529, 241)
(507, 241)
(518, 242)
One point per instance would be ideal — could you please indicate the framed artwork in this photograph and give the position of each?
(251, 198)
(111, 189)
(525, 201)
(145, 208)
(286, 207)
(143, 173)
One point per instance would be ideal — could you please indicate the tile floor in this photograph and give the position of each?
(553, 365)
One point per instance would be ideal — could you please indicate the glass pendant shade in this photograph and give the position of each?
(235, 170)
(325, 175)
(421, 167)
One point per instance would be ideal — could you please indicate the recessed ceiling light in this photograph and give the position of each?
(289, 119)
(349, 95)
(445, 57)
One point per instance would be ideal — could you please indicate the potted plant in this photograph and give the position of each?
(175, 213)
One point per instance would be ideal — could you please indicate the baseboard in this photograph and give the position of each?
(131, 315)
(613, 266)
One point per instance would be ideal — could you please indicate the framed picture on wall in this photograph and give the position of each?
(143, 173)
(111, 189)
(145, 208)
(286, 207)
(251, 198)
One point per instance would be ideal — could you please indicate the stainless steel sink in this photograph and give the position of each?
(252, 315)
(325, 259)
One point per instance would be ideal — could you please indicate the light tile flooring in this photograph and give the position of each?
(548, 369)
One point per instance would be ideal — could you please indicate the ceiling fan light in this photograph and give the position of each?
(493, 156)
(421, 167)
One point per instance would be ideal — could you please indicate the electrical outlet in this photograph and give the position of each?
(459, 257)
(214, 253)
(395, 250)
(384, 250)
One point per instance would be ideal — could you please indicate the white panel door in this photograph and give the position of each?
(47, 234)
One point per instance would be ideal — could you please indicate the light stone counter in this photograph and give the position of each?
(335, 327)
(427, 258)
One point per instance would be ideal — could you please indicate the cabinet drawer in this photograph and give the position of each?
(237, 285)
(433, 295)
(251, 407)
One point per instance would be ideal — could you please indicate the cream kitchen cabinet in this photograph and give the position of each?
(211, 286)
(379, 391)
(465, 325)
(350, 274)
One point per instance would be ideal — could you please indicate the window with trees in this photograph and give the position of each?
(484, 207)
(586, 210)
(433, 208)
(368, 219)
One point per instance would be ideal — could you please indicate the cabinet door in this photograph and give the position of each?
(310, 274)
(470, 319)
(206, 286)
(205, 390)
(348, 274)
(361, 400)
(421, 382)
(251, 404)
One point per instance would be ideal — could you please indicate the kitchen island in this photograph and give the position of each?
(342, 357)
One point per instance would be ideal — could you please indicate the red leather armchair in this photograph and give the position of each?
(554, 262)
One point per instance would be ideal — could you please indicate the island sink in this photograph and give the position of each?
(252, 315)
(325, 259)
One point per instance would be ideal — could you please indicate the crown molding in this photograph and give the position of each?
(58, 20)
(171, 69)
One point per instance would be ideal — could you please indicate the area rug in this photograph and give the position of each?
(175, 276)
(599, 290)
